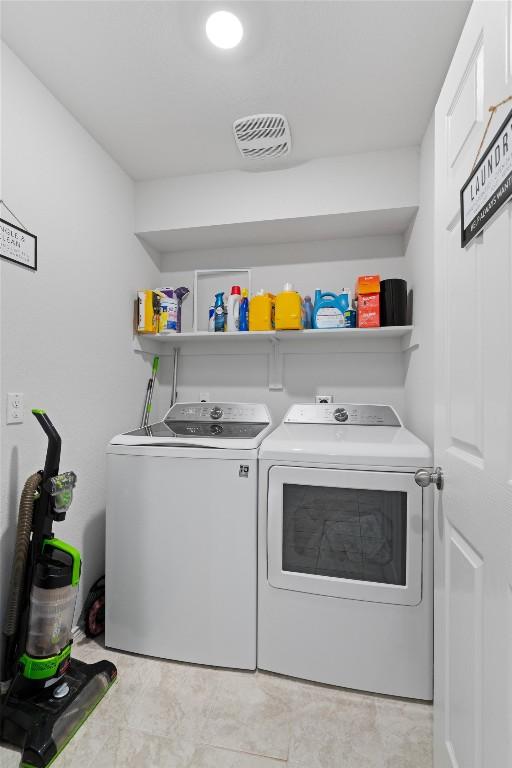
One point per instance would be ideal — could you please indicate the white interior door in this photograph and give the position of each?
(473, 427)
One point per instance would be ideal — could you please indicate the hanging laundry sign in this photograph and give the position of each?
(489, 186)
(18, 245)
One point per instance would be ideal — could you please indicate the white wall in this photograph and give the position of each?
(64, 336)
(380, 373)
(352, 372)
(65, 330)
(354, 375)
(419, 378)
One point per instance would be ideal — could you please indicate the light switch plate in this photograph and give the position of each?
(15, 409)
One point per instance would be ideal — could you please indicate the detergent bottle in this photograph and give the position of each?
(233, 309)
(288, 310)
(211, 316)
(330, 308)
(261, 312)
(307, 312)
(244, 311)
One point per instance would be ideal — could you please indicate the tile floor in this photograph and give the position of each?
(160, 714)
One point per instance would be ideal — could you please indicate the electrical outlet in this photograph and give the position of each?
(324, 399)
(14, 407)
(204, 397)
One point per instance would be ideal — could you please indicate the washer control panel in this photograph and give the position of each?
(343, 413)
(245, 413)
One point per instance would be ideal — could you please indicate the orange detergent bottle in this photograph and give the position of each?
(261, 312)
(288, 310)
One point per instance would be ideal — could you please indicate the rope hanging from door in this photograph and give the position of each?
(492, 109)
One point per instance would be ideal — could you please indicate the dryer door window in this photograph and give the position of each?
(345, 533)
(350, 534)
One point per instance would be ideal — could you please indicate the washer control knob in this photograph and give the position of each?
(216, 429)
(216, 412)
(340, 414)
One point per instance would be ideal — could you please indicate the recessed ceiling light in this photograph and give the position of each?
(224, 29)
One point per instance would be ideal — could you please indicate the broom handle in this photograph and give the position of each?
(149, 392)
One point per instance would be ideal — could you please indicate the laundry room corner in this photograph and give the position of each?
(274, 249)
(255, 384)
(419, 253)
(64, 339)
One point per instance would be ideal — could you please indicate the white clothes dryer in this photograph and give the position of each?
(181, 535)
(345, 585)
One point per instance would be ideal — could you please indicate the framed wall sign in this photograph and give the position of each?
(489, 186)
(18, 245)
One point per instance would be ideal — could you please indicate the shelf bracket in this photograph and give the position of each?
(148, 346)
(407, 343)
(275, 366)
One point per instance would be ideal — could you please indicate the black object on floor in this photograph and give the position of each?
(94, 609)
(45, 695)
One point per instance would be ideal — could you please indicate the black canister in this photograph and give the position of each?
(393, 302)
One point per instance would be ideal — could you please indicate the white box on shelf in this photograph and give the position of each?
(208, 282)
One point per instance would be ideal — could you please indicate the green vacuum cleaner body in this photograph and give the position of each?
(46, 695)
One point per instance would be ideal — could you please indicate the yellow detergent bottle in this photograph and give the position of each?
(261, 312)
(288, 310)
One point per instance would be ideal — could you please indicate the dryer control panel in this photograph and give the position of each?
(359, 414)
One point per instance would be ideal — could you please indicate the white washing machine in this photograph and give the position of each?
(181, 541)
(345, 551)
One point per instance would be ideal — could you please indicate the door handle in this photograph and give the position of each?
(425, 477)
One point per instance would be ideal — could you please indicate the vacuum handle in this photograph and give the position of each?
(51, 465)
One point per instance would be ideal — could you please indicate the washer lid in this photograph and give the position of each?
(329, 441)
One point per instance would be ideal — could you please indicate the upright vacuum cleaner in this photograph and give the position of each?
(45, 695)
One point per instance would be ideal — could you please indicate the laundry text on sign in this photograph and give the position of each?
(489, 186)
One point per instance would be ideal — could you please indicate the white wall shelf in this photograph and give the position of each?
(333, 334)
(391, 221)
(374, 193)
(164, 344)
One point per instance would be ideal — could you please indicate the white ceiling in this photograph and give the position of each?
(140, 76)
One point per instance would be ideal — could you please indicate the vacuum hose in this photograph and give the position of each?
(20, 553)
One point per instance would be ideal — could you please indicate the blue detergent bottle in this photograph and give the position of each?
(243, 319)
(308, 312)
(219, 312)
(329, 309)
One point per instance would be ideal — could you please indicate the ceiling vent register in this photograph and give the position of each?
(262, 137)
